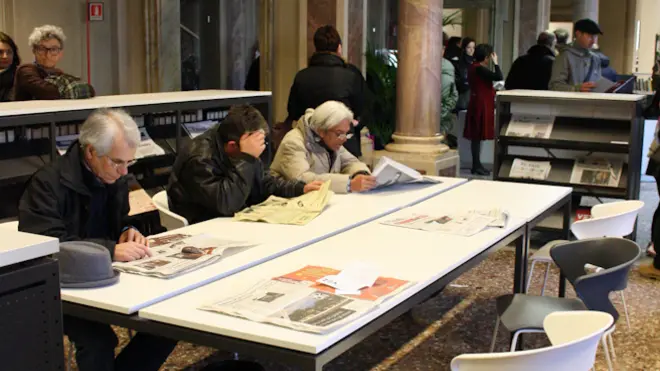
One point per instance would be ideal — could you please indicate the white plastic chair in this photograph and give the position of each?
(614, 219)
(168, 219)
(574, 336)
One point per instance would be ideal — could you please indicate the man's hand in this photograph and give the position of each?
(362, 183)
(587, 86)
(493, 57)
(133, 235)
(129, 251)
(253, 144)
(313, 186)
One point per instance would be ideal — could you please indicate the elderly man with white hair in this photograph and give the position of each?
(83, 196)
(314, 150)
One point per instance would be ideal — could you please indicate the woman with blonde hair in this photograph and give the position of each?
(313, 150)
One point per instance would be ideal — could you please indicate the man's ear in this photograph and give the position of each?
(339, 50)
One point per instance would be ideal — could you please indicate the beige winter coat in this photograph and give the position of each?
(301, 156)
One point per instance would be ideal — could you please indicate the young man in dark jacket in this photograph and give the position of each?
(220, 172)
(328, 77)
(533, 70)
(83, 196)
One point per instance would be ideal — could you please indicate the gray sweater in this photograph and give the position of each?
(571, 68)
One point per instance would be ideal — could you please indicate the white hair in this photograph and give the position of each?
(327, 115)
(46, 32)
(104, 125)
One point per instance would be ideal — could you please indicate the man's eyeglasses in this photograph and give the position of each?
(52, 51)
(116, 163)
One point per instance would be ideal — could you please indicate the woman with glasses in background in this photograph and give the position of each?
(9, 61)
(38, 80)
(314, 150)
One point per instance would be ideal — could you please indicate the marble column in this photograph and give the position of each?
(162, 24)
(419, 91)
(534, 17)
(585, 9)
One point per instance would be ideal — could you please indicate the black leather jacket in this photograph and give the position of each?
(206, 183)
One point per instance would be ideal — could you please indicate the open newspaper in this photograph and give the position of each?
(177, 254)
(147, 146)
(195, 129)
(388, 172)
(538, 170)
(297, 211)
(63, 142)
(530, 126)
(597, 171)
(297, 301)
(467, 224)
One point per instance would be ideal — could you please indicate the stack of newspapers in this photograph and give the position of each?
(600, 172)
(538, 170)
(177, 254)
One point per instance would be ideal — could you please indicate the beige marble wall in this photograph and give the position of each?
(319, 13)
(169, 50)
(419, 73)
(534, 18)
(356, 26)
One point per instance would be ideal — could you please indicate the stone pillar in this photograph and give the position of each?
(534, 17)
(585, 9)
(417, 140)
(163, 30)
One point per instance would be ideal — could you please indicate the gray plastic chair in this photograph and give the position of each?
(522, 313)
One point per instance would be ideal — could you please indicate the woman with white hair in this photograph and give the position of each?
(42, 79)
(314, 150)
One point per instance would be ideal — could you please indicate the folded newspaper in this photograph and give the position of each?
(297, 301)
(597, 171)
(388, 172)
(177, 254)
(538, 170)
(467, 224)
(530, 126)
(147, 146)
(297, 211)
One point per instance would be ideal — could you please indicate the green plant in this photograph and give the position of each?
(452, 19)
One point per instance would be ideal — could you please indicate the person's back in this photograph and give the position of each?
(577, 68)
(533, 70)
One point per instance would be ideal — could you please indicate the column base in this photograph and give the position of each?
(421, 145)
(440, 164)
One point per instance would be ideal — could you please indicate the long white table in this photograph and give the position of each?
(344, 212)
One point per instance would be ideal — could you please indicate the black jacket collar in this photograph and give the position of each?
(72, 171)
(326, 59)
(540, 50)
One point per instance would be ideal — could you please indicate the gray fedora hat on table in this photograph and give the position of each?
(85, 265)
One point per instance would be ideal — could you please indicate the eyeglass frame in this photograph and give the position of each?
(342, 136)
(116, 163)
(50, 51)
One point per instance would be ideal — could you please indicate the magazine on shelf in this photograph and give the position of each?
(63, 142)
(297, 301)
(530, 126)
(597, 172)
(388, 172)
(147, 146)
(296, 211)
(140, 202)
(467, 224)
(195, 129)
(524, 169)
(176, 254)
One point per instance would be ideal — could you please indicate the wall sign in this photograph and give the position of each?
(95, 11)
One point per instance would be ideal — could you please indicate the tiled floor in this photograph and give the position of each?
(461, 320)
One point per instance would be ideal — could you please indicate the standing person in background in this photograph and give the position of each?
(453, 50)
(562, 40)
(652, 270)
(480, 119)
(328, 77)
(578, 68)
(9, 61)
(533, 70)
(464, 63)
(449, 100)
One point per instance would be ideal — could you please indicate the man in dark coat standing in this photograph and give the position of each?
(533, 70)
(328, 77)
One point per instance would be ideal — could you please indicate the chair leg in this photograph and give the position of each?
(545, 279)
(497, 326)
(603, 341)
(612, 346)
(529, 276)
(514, 342)
(625, 308)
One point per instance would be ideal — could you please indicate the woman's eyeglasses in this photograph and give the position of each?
(343, 136)
(52, 51)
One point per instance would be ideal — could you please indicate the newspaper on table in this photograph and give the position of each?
(195, 129)
(63, 142)
(467, 224)
(297, 301)
(530, 126)
(499, 216)
(297, 211)
(538, 170)
(176, 254)
(147, 146)
(388, 172)
(597, 171)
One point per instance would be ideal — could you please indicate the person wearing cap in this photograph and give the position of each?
(83, 197)
(577, 68)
